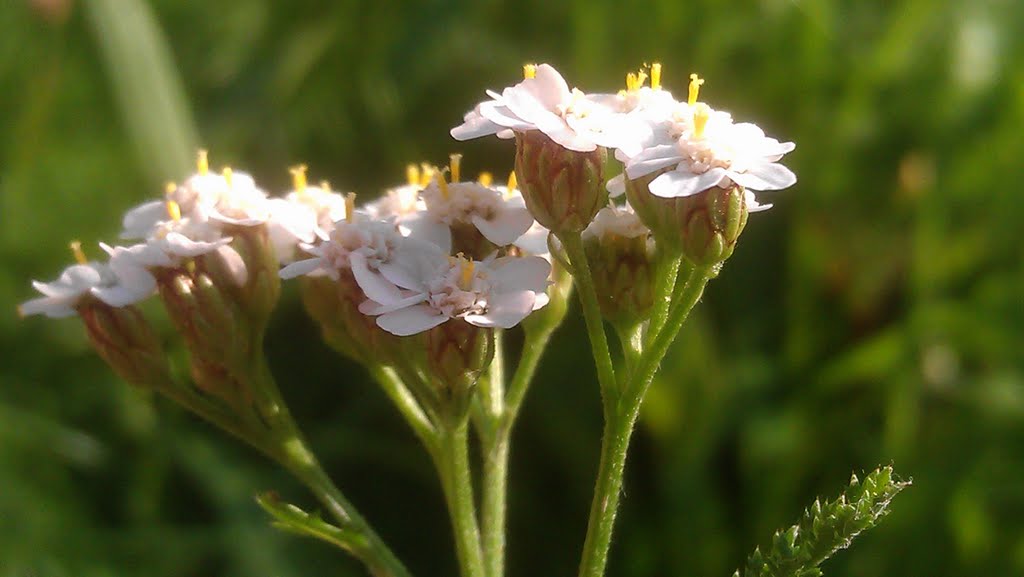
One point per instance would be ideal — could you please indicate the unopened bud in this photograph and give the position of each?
(247, 272)
(623, 272)
(704, 226)
(457, 353)
(334, 305)
(562, 188)
(126, 341)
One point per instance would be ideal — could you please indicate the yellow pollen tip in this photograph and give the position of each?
(350, 206)
(325, 186)
(442, 184)
(467, 274)
(412, 174)
(227, 173)
(513, 182)
(202, 162)
(656, 76)
(170, 187)
(695, 84)
(529, 71)
(485, 179)
(299, 177)
(426, 174)
(701, 114)
(76, 250)
(455, 162)
(173, 210)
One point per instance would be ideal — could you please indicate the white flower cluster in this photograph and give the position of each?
(397, 249)
(649, 129)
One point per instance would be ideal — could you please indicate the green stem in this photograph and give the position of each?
(668, 271)
(496, 446)
(287, 446)
(592, 315)
(492, 507)
(457, 482)
(407, 405)
(619, 429)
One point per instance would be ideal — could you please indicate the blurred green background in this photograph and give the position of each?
(876, 315)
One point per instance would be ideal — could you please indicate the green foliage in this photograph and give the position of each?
(826, 528)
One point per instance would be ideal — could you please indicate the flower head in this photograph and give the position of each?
(544, 102)
(434, 288)
(705, 149)
(117, 283)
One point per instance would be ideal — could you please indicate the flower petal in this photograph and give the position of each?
(506, 226)
(679, 183)
(767, 176)
(411, 320)
(301, 268)
(505, 310)
(374, 285)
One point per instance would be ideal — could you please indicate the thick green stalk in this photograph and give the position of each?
(592, 315)
(619, 429)
(407, 404)
(496, 441)
(668, 271)
(457, 482)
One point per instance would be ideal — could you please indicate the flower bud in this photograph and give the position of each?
(126, 341)
(334, 305)
(457, 353)
(620, 253)
(246, 271)
(704, 226)
(563, 189)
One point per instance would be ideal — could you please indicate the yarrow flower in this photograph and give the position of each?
(434, 288)
(544, 102)
(303, 214)
(499, 218)
(704, 148)
(118, 283)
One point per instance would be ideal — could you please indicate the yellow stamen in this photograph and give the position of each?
(485, 179)
(426, 174)
(701, 114)
(170, 187)
(298, 177)
(512, 182)
(412, 174)
(76, 249)
(325, 186)
(202, 162)
(695, 84)
(455, 162)
(227, 173)
(350, 206)
(466, 280)
(635, 80)
(529, 71)
(173, 210)
(442, 184)
(656, 76)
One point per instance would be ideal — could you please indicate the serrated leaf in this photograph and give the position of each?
(826, 528)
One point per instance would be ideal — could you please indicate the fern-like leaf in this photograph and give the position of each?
(826, 528)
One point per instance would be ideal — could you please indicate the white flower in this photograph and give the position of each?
(362, 246)
(706, 149)
(434, 288)
(501, 219)
(119, 283)
(619, 221)
(304, 214)
(543, 101)
(230, 198)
